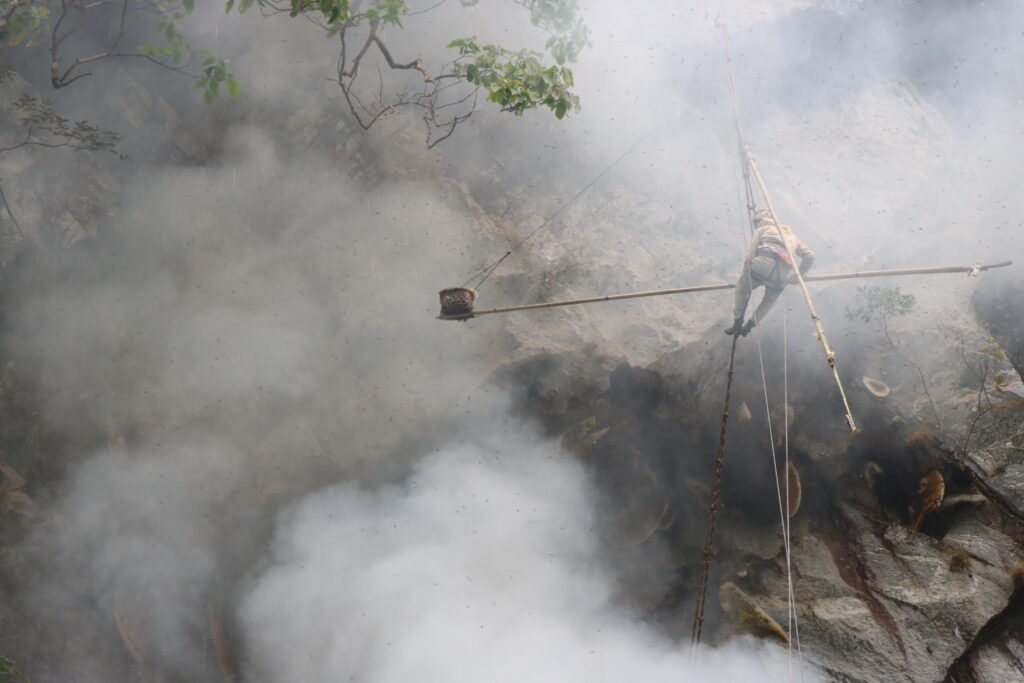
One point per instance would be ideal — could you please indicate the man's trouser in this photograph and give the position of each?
(762, 270)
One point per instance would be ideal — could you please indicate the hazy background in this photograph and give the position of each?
(259, 412)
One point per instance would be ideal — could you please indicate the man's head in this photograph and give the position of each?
(763, 217)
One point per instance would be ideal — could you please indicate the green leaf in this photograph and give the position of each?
(228, 6)
(233, 87)
(24, 23)
(212, 90)
(189, 5)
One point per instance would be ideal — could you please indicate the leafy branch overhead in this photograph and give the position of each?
(65, 24)
(567, 34)
(445, 94)
(516, 81)
(213, 69)
(47, 128)
(375, 79)
(21, 18)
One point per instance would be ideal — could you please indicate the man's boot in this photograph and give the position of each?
(745, 330)
(737, 326)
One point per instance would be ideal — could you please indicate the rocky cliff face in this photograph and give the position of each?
(888, 584)
(201, 356)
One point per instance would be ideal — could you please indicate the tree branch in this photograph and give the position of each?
(61, 80)
(424, 97)
(17, 226)
(29, 142)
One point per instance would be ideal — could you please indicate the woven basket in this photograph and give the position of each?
(457, 301)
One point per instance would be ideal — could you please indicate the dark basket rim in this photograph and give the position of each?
(453, 290)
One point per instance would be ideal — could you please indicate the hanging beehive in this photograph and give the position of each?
(931, 493)
(457, 303)
(876, 386)
(795, 491)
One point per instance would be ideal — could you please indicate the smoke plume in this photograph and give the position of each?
(257, 411)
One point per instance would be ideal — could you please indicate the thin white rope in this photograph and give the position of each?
(783, 508)
(771, 439)
(790, 612)
(793, 616)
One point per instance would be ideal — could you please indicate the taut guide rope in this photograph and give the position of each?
(793, 623)
(739, 130)
(486, 271)
(793, 628)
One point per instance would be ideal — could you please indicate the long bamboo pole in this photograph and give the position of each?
(830, 355)
(936, 270)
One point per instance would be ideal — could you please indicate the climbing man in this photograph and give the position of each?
(768, 264)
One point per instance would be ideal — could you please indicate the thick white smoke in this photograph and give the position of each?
(137, 545)
(257, 323)
(483, 565)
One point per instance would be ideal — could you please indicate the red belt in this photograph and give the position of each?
(777, 255)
